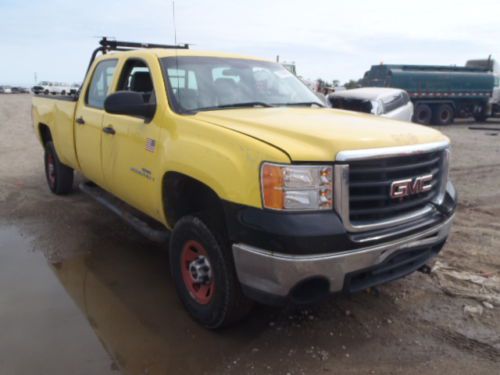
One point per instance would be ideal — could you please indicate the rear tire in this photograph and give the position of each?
(443, 115)
(423, 114)
(59, 176)
(216, 301)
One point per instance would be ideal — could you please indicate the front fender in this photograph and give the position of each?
(225, 160)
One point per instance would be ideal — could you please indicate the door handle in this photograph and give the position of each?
(80, 121)
(109, 130)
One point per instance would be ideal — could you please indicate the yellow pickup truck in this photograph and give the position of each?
(261, 192)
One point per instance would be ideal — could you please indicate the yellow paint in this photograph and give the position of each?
(318, 134)
(223, 149)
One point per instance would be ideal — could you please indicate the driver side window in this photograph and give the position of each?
(136, 77)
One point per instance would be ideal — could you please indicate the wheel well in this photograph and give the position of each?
(45, 135)
(184, 195)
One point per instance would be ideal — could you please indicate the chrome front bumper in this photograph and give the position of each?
(277, 274)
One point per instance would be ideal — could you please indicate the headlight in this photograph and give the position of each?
(297, 187)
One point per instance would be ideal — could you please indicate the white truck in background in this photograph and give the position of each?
(379, 101)
(54, 88)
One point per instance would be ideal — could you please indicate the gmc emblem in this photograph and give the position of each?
(411, 186)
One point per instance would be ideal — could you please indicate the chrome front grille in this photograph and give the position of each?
(363, 181)
(370, 183)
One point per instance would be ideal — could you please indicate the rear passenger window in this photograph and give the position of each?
(101, 81)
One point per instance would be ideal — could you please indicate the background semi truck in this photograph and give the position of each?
(442, 93)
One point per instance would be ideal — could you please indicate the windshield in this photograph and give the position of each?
(211, 83)
(350, 104)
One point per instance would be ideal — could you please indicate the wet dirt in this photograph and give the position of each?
(80, 289)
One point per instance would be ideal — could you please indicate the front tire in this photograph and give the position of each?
(423, 114)
(204, 276)
(59, 176)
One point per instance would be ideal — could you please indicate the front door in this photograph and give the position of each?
(130, 153)
(88, 121)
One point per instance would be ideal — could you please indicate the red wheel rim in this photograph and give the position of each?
(51, 170)
(197, 272)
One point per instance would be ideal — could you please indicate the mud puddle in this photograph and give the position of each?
(127, 296)
(105, 309)
(41, 329)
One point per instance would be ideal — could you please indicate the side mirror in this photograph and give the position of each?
(129, 103)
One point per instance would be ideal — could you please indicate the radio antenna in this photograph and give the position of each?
(176, 52)
(173, 17)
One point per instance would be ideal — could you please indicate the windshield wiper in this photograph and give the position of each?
(236, 105)
(307, 104)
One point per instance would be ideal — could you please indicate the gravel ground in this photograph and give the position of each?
(114, 287)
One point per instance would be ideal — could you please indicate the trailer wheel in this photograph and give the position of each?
(59, 176)
(443, 115)
(423, 114)
(203, 272)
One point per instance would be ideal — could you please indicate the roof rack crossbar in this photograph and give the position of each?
(115, 44)
(107, 45)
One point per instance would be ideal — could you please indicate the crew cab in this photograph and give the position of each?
(261, 192)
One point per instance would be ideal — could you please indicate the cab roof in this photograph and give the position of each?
(164, 52)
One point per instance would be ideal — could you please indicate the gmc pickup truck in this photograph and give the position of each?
(261, 192)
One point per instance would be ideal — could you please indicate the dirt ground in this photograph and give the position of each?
(82, 293)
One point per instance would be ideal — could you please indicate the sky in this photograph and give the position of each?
(329, 39)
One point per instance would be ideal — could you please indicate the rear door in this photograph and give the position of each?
(88, 120)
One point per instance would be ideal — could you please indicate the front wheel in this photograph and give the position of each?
(59, 176)
(423, 114)
(204, 276)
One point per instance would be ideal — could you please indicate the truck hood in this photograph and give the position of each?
(318, 134)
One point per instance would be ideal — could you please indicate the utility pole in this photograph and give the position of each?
(36, 80)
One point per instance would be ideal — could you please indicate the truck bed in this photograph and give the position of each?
(57, 113)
